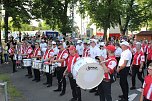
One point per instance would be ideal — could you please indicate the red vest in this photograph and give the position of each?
(85, 52)
(11, 51)
(47, 53)
(29, 52)
(71, 61)
(36, 50)
(138, 58)
(147, 93)
(111, 65)
(149, 53)
(60, 56)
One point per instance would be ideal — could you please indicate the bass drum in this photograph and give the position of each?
(88, 73)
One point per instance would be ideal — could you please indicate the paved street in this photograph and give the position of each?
(33, 91)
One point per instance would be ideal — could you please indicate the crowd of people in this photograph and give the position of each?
(123, 58)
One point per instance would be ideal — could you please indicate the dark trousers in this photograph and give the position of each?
(1, 58)
(123, 81)
(144, 99)
(49, 78)
(135, 71)
(14, 63)
(76, 91)
(6, 57)
(29, 70)
(104, 90)
(36, 74)
(61, 79)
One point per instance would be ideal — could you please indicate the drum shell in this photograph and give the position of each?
(27, 62)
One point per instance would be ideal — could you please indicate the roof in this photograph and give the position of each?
(145, 33)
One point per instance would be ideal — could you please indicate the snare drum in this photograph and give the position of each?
(87, 72)
(27, 62)
(38, 64)
(33, 62)
(17, 57)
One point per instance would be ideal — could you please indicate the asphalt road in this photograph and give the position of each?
(33, 91)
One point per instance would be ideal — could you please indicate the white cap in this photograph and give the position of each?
(53, 43)
(102, 44)
(62, 40)
(93, 40)
(138, 43)
(79, 41)
(125, 43)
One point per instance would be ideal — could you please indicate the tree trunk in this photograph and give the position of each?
(105, 34)
(6, 26)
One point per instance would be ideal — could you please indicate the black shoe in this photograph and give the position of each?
(30, 77)
(96, 94)
(49, 85)
(26, 75)
(122, 99)
(37, 80)
(132, 88)
(62, 93)
(14, 71)
(121, 96)
(73, 99)
(57, 90)
(45, 83)
(93, 90)
(34, 80)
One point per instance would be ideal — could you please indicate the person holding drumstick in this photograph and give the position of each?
(61, 58)
(74, 56)
(37, 55)
(48, 55)
(104, 89)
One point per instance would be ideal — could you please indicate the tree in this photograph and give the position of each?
(103, 13)
(19, 10)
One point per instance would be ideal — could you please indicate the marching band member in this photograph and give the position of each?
(11, 55)
(137, 65)
(28, 54)
(63, 42)
(94, 52)
(79, 48)
(123, 70)
(104, 89)
(74, 56)
(47, 57)
(103, 51)
(61, 58)
(55, 48)
(37, 55)
(85, 50)
(149, 54)
(146, 94)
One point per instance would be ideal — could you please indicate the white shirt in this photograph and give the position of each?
(64, 45)
(125, 55)
(79, 48)
(43, 47)
(56, 50)
(94, 52)
(118, 52)
(103, 53)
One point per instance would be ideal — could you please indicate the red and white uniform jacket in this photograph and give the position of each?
(85, 52)
(111, 65)
(23, 49)
(11, 51)
(29, 52)
(71, 61)
(144, 47)
(147, 86)
(48, 53)
(37, 52)
(149, 53)
(138, 58)
(63, 55)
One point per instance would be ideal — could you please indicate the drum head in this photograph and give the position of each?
(89, 76)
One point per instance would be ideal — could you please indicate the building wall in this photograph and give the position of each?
(142, 37)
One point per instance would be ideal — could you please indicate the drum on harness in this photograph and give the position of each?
(88, 73)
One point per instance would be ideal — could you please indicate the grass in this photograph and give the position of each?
(12, 91)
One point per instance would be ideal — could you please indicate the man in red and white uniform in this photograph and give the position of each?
(137, 65)
(37, 55)
(46, 59)
(61, 59)
(149, 54)
(73, 57)
(28, 54)
(147, 86)
(85, 50)
(104, 88)
(11, 54)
